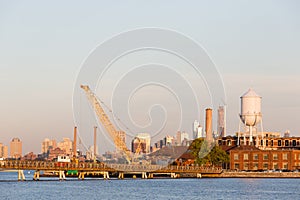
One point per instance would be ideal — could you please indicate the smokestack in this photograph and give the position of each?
(75, 142)
(95, 141)
(208, 125)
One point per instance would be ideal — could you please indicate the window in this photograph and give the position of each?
(267, 142)
(245, 156)
(285, 166)
(236, 156)
(236, 166)
(261, 142)
(286, 143)
(265, 165)
(275, 165)
(275, 156)
(255, 156)
(285, 156)
(272, 142)
(279, 143)
(229, 142)
(294, 143)
(266, 156)
(255, 166)
(246, 166)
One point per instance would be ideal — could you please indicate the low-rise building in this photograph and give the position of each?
(250, 158)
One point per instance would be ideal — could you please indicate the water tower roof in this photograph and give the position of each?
(250, 93)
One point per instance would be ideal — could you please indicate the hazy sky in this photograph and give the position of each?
(43, 45)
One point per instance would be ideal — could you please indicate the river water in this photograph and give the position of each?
(206, 188)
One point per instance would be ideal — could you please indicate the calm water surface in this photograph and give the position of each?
(148, 189)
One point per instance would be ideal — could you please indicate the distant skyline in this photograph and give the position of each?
(43, 45)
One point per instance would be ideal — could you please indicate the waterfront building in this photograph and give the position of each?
(250, 158)
(54, 153)
(16, 148)
(29, 156)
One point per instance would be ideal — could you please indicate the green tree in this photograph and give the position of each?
(200, 149)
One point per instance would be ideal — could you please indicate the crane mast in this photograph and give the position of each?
(105, 121)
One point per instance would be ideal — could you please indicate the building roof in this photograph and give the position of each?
(172, 151)
(250, 93)
(245, 148)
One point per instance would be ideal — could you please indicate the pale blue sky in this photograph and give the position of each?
(43, 44)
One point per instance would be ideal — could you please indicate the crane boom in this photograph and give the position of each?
(105, 121)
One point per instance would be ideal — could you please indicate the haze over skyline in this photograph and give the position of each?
(43, 45)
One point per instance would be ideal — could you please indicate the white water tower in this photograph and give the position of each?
(250, 112)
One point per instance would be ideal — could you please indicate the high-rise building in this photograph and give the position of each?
(136, 144)
(169, 140)
(16, 148)
(66, 145)
(3, 151)
(195, 129)
(184, 135)
(199, 133)
(221, 121)
(48, 144)
(178, 138)
(143, 138)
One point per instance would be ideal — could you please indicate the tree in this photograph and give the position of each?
(201, 150)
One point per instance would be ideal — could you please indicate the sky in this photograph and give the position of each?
(43, 46)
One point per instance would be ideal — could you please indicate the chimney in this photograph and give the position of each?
(208, 125)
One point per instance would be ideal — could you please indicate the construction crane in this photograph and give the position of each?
(105, 121)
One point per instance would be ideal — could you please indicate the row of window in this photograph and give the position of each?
(255, 166)
(287, 143)
(265, 156)
(280, 143)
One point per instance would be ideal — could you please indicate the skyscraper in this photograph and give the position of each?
(66, 145)
(16, 148)
(221, 131)
(3, 151)
(48, 144)
(195, 129)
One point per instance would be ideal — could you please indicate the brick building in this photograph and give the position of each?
(250, 158)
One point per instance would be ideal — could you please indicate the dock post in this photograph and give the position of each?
(36, 175)
(62, 175)
(105, 175)
(121, 175)
(21, 176)
(144, 175)
(81, 175)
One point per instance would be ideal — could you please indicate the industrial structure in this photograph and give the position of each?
(208, 125)
(250, 115)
